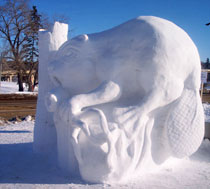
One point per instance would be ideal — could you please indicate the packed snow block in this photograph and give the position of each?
(44, 131)
(124, 100)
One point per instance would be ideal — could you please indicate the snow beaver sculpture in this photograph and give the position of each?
(126, 98)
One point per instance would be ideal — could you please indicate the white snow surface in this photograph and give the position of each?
(206, 111)
(12, 87)
(121, 102)
(8, 87)
(21, 168)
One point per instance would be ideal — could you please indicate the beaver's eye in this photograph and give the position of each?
(68, 50)
(71, 53)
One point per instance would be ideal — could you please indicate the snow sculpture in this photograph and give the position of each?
(126, 99)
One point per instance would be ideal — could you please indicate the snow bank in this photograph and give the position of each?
(8, 87)
(12, 87)
(123, 101)
(207, 112)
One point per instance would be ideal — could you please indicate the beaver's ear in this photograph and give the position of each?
(73, 46)
(81, 38)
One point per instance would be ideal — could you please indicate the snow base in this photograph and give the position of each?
(21, 168)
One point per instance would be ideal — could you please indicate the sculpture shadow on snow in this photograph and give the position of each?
(18, 164)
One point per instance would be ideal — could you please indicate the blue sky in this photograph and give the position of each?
(90, 16)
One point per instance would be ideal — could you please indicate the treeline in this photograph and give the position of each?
(205, 65)
(19, 27)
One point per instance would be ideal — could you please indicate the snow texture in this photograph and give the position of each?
(123, 101)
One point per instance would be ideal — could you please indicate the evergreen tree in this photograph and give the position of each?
(31, 47)
(207, 63)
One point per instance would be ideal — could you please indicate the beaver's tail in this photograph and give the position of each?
(185, 124)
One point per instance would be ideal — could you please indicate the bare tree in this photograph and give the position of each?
(19, 27)
(13, 24)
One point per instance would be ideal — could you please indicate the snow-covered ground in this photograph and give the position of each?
(207, 112)
(11, 87)
(21, 168)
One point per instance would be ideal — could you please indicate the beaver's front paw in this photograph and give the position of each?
(51, 102)
(129, 119)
